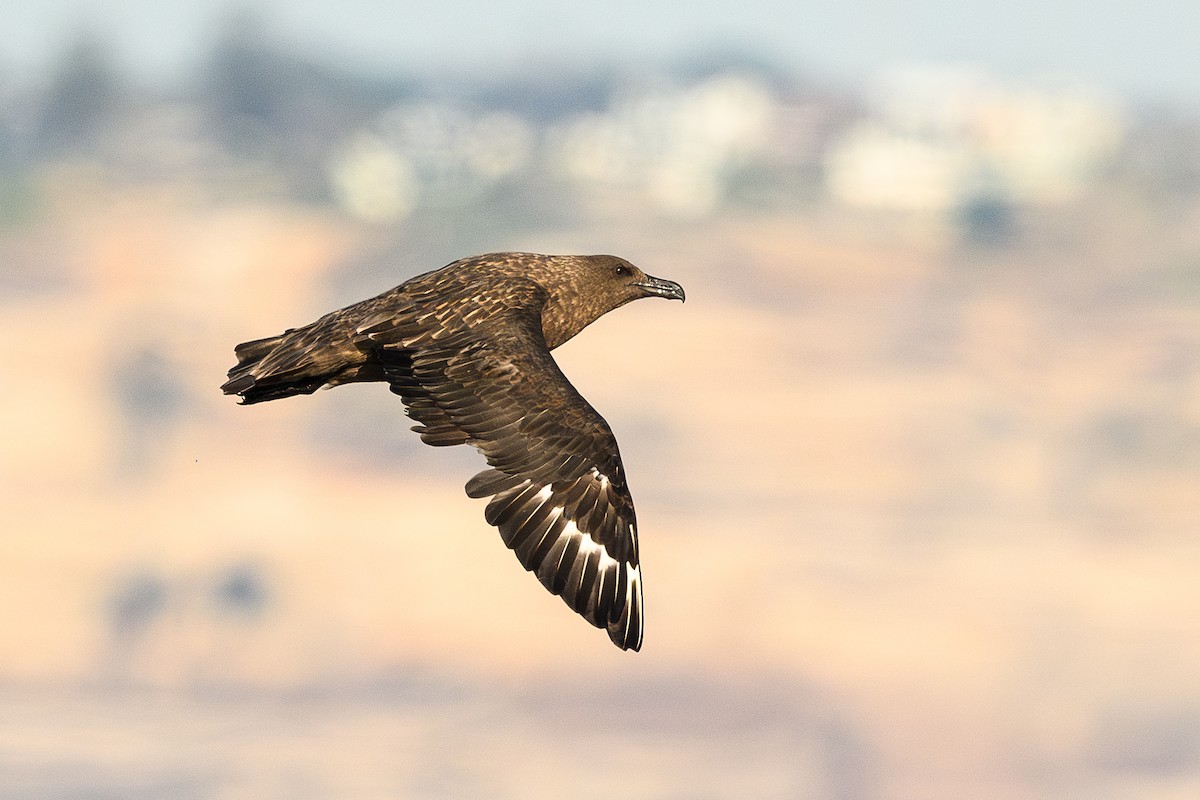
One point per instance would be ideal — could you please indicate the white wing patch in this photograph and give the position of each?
(587, 545)
(564, 538)
(633, 600)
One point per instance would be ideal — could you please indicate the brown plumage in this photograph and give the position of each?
(467, 348)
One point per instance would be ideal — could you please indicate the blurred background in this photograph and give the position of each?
(917, 466)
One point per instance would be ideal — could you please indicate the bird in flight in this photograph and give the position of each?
(467, 348)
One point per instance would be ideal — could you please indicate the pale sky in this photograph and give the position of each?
(1142, 48)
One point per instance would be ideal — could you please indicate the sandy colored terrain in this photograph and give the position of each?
(918, 522)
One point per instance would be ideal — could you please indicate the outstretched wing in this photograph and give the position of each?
(559, 496)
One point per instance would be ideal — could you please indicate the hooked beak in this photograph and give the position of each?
(658, 287)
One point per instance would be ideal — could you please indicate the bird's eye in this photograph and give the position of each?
(621, 270)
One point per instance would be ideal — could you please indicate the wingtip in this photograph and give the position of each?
(626, 631)
(630, 647)
(626, 640)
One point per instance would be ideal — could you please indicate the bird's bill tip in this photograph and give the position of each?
(660, 287)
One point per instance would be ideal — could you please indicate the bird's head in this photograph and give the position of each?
(584, 288)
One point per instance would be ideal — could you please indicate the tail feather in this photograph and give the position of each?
(257, 348)
(297, 361)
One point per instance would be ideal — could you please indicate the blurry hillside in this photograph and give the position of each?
(917, 465)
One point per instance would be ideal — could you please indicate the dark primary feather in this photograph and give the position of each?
(467, 348)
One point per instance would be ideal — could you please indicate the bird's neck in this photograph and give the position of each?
(560, 323)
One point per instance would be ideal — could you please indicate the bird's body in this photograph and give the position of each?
(467, 348)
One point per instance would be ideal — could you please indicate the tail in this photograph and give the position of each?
(299, 361)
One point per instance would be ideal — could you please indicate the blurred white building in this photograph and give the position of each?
(428, 155)
(673, 148)
(935, 138)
